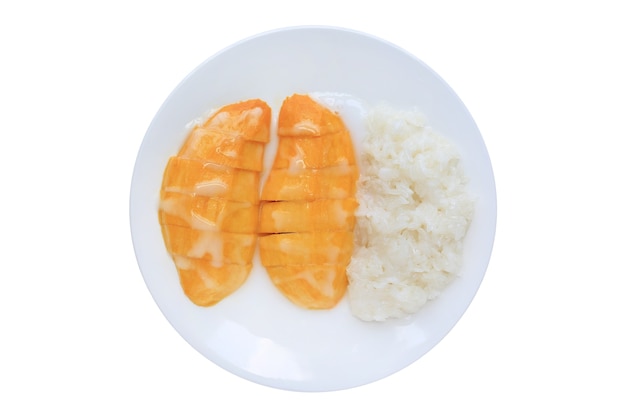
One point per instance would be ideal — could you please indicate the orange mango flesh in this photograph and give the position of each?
(207, 213)
(218, 247)
(249, 120)
(295, 152)
(194, 176)
(311, 286)
(209, 200)
(206, 284)
(230, 151)
(305, 216)
(307, 205)
(307, 248)
(310, 184)
(300, 115)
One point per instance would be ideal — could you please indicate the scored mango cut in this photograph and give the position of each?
(300, 115)
(308, 204)
(235, 136)
(194, 176)
(248, 120)
(301, 152)
(306, 248)
(206, 284)
(217, 247)
(311, 286)
(310, 184)
(206, 213)
(222, 149)
(303, 216)
(208, 207)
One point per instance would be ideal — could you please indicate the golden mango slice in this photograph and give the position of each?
(234, 136)
(310, 184)
(217, 247)
(205, 213)
(208, 207)
(249, 120)
(204, 284)
(221, 149)
(194, 176)
(308, 194)
(307, 216)
(300, 115)
(306, 248)
(298, 153)
(311, 286)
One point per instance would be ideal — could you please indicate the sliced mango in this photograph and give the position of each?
(310, 184)
(311, 286)
(208, 207)
(307, 205)
(297, 152)
(306, 248)
(249, 120)
(223, 149)
(205, 284)
(205, 213)
(194, 176)
(300, 115)
(217, 247)
(307, 216)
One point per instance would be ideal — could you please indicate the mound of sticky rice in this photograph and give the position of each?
(414, 211)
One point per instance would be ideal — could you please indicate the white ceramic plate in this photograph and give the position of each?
(255, 333)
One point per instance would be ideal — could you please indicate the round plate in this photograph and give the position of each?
(256, 333)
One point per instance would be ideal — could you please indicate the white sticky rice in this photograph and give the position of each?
(414, 211)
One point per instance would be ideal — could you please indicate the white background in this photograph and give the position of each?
(79, 85)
